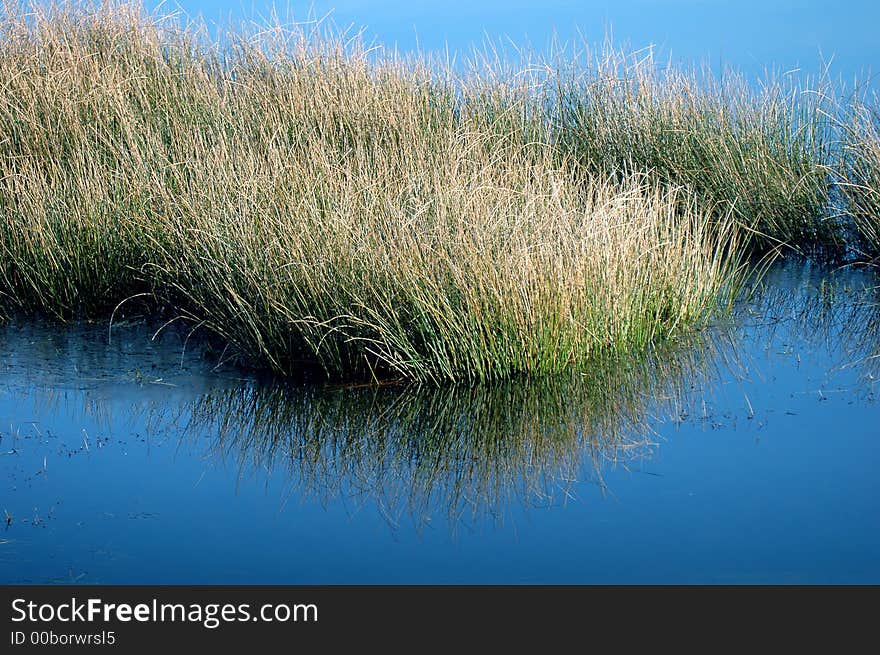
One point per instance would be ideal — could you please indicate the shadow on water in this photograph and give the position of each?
(464, 451)
(830, 313)
(469, 454)
(468, 450)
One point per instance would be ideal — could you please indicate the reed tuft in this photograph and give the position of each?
(317, 204)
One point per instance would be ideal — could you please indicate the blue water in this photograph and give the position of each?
(749, 455)
(752, 35)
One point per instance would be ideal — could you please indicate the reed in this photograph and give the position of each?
(761, 153)
(860, 173)
(318, 205)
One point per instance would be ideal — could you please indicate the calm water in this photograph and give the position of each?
(748, 455)
(750, 35)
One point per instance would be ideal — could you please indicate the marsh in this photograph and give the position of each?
(288, 307)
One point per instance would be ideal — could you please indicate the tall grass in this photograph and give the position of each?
(315, 204)
(761, 153)
(861, 173)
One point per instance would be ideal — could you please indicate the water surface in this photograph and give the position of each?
(747, 454)
(751, 35)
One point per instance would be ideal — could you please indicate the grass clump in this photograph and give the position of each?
(761, 154)
(316, 204)
(861, 174)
